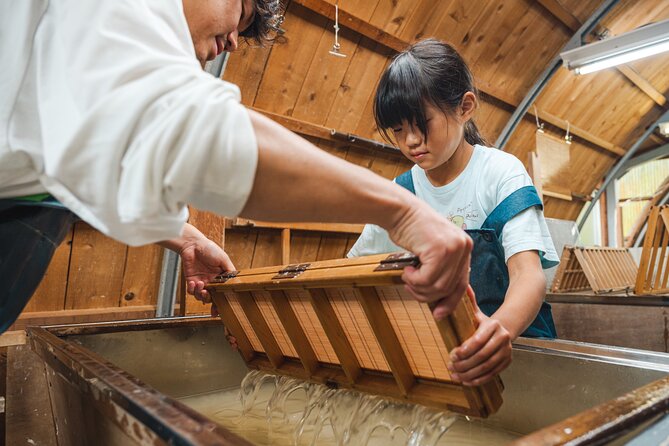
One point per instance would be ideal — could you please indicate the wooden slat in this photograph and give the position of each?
(233, 325)
(50, 295)
(294, 330)
(354, 23)
(262, 330)
(335, 334)
(40, 318)
(14, 337)
(285, 246)
(321, 227)
(96, 270)
(141, 277)
(387, 338)
(28, 407)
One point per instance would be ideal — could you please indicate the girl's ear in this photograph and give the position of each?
(468, 106)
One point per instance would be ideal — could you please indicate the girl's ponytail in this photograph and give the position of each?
(473, 135)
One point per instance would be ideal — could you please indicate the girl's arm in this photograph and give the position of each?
(527, 289)
(488, 351)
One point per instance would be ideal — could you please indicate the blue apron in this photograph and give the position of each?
(489, 276)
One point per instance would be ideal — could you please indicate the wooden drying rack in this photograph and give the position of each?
(349, 323)
(653, 275)
(603, 270)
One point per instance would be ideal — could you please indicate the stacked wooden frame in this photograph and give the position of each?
(350, 323)
(653, 277)
(602, 270)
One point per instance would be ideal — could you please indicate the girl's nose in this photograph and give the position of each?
(413, 138)
(231, 41)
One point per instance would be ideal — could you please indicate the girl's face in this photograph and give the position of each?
(446, 134)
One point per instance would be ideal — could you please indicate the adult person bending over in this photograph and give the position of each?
(105, 107)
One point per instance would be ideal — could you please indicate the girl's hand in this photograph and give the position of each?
(485, 354)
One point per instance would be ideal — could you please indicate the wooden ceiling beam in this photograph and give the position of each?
(645, 86)
(570, 21)
(354, 23)
(305, 128)
(581, 133)
(561, 13)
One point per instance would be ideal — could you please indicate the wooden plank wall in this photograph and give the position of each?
(90, 271)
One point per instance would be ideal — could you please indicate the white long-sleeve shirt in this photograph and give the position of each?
(104, 105)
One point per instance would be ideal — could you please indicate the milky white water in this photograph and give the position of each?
(277, 410)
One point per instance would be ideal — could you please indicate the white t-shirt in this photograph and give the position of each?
(104, 105)
(490, 176)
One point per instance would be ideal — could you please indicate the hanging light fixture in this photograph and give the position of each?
(642, 42)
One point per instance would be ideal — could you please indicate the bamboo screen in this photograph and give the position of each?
(349, 326)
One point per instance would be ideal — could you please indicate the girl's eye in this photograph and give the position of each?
(397, 130)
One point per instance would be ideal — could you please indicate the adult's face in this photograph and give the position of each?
(215, 25)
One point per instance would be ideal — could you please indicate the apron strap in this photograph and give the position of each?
(520, 200)
(406, 181)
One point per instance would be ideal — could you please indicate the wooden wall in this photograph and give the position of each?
(93, 278)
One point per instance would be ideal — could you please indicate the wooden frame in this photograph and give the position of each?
(350, 323)
(602, 270)
(653, 276)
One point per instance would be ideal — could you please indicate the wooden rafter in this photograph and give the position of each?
(561, 13)
(641, 82)
(396, 44)
(574, 24)
(581, 133)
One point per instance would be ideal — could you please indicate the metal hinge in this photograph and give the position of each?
(224, 277)
(291, 271)
(398, 261)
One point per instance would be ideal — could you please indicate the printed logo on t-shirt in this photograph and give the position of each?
(463, 215)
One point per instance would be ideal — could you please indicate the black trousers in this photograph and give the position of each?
(29, 236)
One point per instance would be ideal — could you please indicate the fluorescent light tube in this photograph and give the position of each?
(642, 42)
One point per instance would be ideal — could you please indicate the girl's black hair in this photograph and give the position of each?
(428, 71)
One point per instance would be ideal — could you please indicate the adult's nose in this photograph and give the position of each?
(231, 41)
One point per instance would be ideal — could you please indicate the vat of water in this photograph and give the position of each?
(178, 382)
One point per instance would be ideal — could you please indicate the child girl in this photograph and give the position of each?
(425, 100)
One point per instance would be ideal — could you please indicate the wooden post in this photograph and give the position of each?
(285, 246)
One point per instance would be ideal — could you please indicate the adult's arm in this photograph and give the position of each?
(295, 181)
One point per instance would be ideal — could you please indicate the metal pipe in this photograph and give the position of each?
(169, 273)
(613, 173)
(537, 88)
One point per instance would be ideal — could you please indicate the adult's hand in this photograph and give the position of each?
(444, 251)
(201, 259)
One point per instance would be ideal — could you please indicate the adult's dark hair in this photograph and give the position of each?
(266, 19)
(429, 71)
